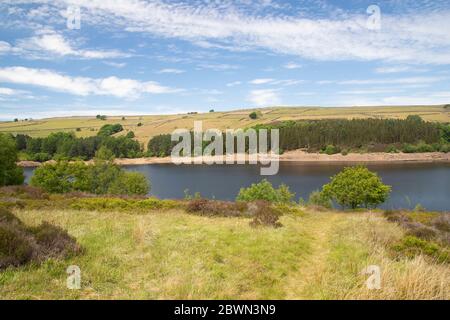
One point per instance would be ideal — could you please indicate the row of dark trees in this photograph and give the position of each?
(343, 134)
(63, 145)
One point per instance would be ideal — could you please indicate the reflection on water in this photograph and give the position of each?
(412, 183)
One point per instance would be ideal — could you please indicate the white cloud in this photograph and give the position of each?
(218, 66)
(233, 84)
(261, 81)
(399, 69)
(82, 86)
(170, 70)
(407, 80)
(5, 47)
(418, 37)
(264, 97)
(49, 44)
(288, 82)
(292, 65)
(115, 64)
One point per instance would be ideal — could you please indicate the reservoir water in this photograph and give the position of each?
(427, 184)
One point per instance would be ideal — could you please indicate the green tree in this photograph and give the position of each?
(265, 191)
(357, 186)
(253, 115)
(54, 178)
(104, 154)
(101, 178)
(10, 173)
(130, 183)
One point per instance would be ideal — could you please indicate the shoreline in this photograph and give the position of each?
(297, 156)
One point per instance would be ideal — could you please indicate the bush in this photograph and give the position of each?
(411, 246)
(409, 148)
(54, 242)
(10, 173)
(264, 214)
(317, 198)
(101, 178)
(355, 187)
(108, 204)
(110, 129)
(391, 149)
(265, 191)
(130, 183)
(253, 115)
(15, 247)
(420, 230)
(216, 208)
(442, 222)
(20, 245)
(330, 149)
(23, 192)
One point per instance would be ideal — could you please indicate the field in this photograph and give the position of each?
(174, 255)
(158, 124)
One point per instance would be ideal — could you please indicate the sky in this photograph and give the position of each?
(135, 57)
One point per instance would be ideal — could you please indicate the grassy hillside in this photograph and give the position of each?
(154, 125)
(174, 255)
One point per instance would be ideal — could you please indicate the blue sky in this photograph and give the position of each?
(160, 57)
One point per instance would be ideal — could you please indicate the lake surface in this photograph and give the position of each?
(412, 183)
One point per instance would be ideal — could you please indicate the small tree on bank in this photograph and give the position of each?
(10, 173)
(357, 187)
(265, 191)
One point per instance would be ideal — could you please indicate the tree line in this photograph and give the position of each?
(336, 135)
(66, 146)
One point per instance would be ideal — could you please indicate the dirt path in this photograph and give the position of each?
(319, 228)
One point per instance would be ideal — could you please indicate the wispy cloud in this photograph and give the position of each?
(82, 86)
(407, 38)
(287, 82)
(48, 44)
(264, 97)
(233, 84)
(292, 65)
(171, 70)
(399, 69)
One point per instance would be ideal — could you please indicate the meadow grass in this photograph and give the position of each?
(175, 255)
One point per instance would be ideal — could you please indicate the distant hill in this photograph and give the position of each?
(146, 127)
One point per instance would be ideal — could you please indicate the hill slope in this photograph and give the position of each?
(159, 124)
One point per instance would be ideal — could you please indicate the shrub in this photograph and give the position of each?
(409, 148)
(330, 149)
(23, 192)
(265, 191)
(20, 245)
(420, 230)
(253, 115)
(391, 149)
(10, 173)
(356, 186)
(54, 242)
(216, 208)
(130, 183)
(264, 215)
(15, 247)
(411, 246)
(396, 216)
(442, 222)
(101, 178)
(110, 129)
(317, 198)
(107, 204)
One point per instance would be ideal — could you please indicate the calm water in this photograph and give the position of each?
(427, 184)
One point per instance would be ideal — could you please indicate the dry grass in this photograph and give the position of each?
(174, 255)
